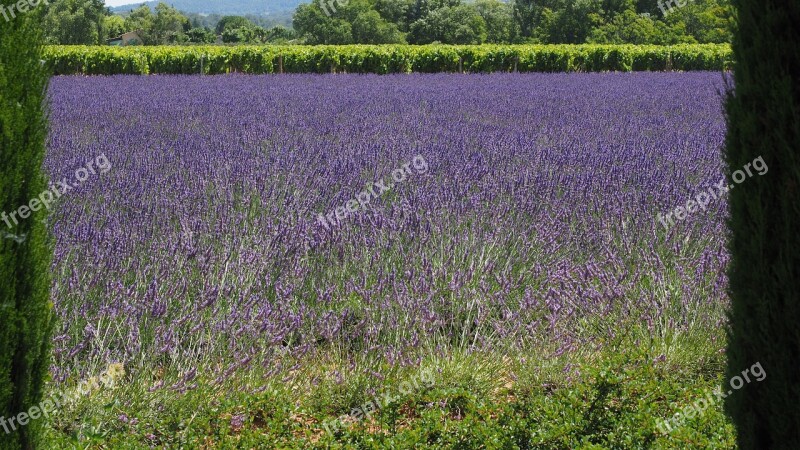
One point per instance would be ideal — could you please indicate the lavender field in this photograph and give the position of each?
(510, 240)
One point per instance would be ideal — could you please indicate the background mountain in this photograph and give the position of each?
(222, 7)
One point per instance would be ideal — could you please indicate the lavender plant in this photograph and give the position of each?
(534, 230)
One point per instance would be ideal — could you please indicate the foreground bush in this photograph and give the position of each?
(383, 59)
(764, 121)
(25, 310)
(613, 402)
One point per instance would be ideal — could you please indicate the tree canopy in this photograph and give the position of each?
(411, 21)
(516, 21)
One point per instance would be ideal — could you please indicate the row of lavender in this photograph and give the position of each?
(532, 227)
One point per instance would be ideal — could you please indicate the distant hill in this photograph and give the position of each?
(222, 7)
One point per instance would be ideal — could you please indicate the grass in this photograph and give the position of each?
(604, 400)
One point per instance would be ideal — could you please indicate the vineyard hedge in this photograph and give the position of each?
(383, 59)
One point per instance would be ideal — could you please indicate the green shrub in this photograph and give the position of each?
(383, 59)
(25, 253)
(764, 122)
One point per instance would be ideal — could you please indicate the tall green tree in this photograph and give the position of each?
(499, 19)
(232, 23)
(529, 13)
(141, 21)
(704, 20)
(25, 251)
(396, 11)
(169, 25)
(241, 35)
(763, 112)
(572, 24)
(201, 35)
(370, 28)
(280, 34)
(315, 27)
(422, 8)
(114, 26)
(75, 22)
(450, 25)
(631, 28)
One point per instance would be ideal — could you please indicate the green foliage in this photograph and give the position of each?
(449, 25)
(238, 35)
(141, 20)
(704, 20)
(529, 14)
(89, 22)
(338, 22)
(384, 59)
(201, 36)
(396, 11)
(499, 19)
(75, 22)
(607, 402)
(166, 25)
(574, 23)
(279, 35)
(764, 121)
(533, 21)
(254, 35)
(317, 28)
(232, 23)
(169, 25)
(114, 26)
(633, 28)
(370, 28)
(422, 8)
(25, 252)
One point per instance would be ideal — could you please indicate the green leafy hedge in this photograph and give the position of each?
(382, 59)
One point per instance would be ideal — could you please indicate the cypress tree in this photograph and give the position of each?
(25, 248)
(763, 110)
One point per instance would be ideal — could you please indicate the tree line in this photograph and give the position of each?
(411, 21)
(90, 22)
(516, 21)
